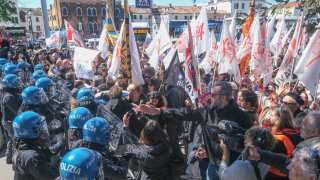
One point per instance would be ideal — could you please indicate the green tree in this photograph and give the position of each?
(6, 10)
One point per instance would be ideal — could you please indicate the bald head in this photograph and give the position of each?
(310, 126)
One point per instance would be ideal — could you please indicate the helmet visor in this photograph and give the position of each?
(43, 97)
(51, 92)
(44, 132)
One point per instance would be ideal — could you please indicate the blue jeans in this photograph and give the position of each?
(212, 172)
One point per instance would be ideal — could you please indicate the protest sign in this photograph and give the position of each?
(82, 62)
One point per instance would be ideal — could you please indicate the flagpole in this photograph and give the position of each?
(268, 73)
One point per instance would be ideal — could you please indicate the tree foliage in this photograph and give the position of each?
(6, 10)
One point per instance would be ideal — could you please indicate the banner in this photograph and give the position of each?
(82, 62)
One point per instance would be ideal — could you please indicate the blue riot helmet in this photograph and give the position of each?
(84, 93)
(34, 95)
(5, 65)
(38, 67)
(80, 163)
(11, 69)
(47, 85)
(30, 125)
(78, 117)
(96, 130)
(11, 81)
(23, 65)
(38, 74)
(3, 61)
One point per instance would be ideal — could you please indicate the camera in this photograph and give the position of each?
(230, 133)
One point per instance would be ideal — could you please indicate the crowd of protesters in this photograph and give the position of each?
(57, 125)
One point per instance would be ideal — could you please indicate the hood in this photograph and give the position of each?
(290, 132)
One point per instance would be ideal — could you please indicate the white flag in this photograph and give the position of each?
(158, 46)
(212, 55)
(104, 43)
(136, 72)
(116, 55)
(307, 69)
(284, 71)
(286, 37)
(227, 54)
(261, 62)
(270, 25)
(275, 44)
(201, 32)
(232, 27)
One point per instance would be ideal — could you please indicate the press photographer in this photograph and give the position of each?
(243, 169)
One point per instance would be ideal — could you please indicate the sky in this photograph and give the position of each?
(36, 3)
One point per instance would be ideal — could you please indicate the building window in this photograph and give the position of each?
(89, 12)
(190, 17)
(94, 12)
(79, 12)
(16, 19)
(90, 27)
(149, 16)
(64, 11)
(259, 5)
(242, 6)
(236, 6)
(134, 16)
(186, 17)
(37, 19)
(140, 17)
(95, 27)
(104, 12)
(38, 28)
(176, 17)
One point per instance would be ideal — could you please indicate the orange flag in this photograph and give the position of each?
(244, 62)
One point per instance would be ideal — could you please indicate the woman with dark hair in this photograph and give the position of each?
(157, 100)
(248, 101)
(154, 152)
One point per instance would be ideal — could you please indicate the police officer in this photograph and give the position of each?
(95, 137)
(37, 75)
(85, 99)
(10, 103)
(24, 73)
(35, 99)
(11, 69)
(49, 88)
(31, 160)
(77, 118)
(81, 163)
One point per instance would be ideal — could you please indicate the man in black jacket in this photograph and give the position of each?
(223, 107)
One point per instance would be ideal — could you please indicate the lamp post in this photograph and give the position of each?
(30, 22)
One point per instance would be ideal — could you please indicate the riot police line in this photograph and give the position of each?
(41, 131)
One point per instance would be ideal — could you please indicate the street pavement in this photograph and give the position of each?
(5, 169)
